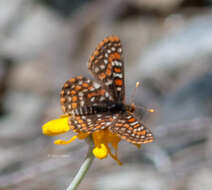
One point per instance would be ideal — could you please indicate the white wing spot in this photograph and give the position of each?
(119, 50)
(96, 85)
(108, 123)
(102, 67)
(129, 116)
(119, 75)
(82, 103)
(106, 94)
(96, 70)
(108, 82)
(134, 123)
(102, 98)
(109, 51)
(92, 99)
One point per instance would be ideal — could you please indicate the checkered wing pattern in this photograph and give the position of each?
(129, 128)
(91, 123)
(79, 94)
(107, 66)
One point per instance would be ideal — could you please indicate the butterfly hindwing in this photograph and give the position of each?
(107, 66)
(129, 128)
(91, 123)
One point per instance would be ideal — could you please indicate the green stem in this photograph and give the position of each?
(84, 167)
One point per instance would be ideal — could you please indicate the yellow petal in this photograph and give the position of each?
(62, 142)
(115, 157)
(56, 127)
(138, 145)
(100, 152)
(82, 135)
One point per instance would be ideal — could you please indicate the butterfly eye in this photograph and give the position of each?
(132, 107)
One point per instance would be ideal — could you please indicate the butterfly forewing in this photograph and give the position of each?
(80, 93)
(129, 128)
(107, 66)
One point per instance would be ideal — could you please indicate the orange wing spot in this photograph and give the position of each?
(142, 132)
(72, 80)
(62, 92)
(111, 38)
(98, 126)
(116, 38)
(80, 121)
(109, 70)
(78, 87)
(83, 125)
(127, 126)
(137, 125)
(105, 40)
(117, 56)
(85, 85)
(117, 69)
(118, 82)
(73, 92)
(74, 105)
(119, 124)
(74, 98)
(90, 87)
(114, 56)
(77, 117)
(66, 85)
(101, 44)
(109, 66)
(96, 53)
(131, 120)
(102, 92)
(79, 77)
(62, 100)
(91, 94)
(102, 76)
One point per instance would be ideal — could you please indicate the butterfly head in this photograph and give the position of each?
(131, 107)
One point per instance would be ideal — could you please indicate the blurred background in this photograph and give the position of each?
(167, 47)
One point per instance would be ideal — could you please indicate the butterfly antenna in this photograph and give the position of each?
(151, 110)
(134, 92)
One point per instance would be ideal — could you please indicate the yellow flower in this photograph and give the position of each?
(102, 139)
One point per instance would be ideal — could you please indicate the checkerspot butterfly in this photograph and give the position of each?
(101, 105)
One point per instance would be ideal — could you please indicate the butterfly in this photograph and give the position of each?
(99, 105)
